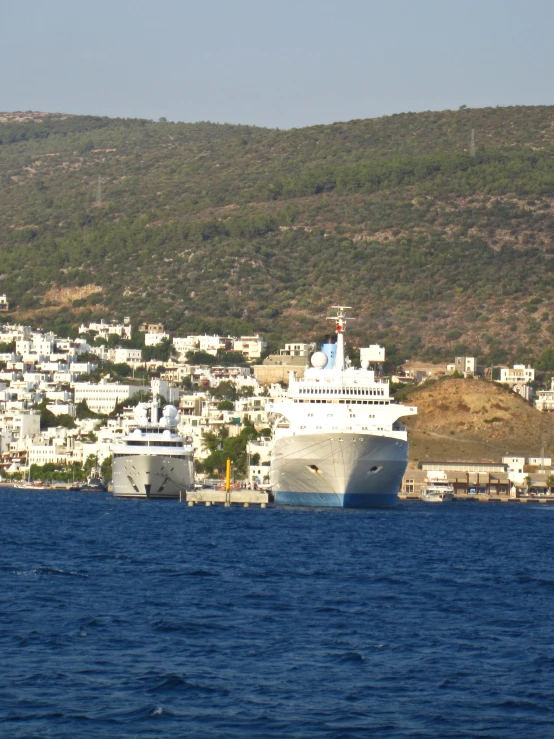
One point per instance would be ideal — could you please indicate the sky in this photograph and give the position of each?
(284, 63)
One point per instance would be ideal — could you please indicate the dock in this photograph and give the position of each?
(209, 497)
(484, 498)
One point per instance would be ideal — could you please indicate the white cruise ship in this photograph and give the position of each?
(338, 440)
(153, 461)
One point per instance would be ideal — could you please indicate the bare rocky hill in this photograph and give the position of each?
(474, 420)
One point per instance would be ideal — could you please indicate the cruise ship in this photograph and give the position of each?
(153, 461)
(338, 438)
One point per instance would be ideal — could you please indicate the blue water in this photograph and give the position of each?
(127, 618)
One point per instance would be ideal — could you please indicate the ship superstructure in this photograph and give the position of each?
(338, 437)
(153, 460)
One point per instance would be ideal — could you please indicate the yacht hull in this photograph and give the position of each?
(152, 476)
(338, 470)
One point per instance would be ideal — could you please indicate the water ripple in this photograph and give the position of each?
(156, 620)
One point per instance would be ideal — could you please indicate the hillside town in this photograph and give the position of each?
(65, 402)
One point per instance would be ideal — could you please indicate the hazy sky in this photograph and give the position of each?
(274, 63)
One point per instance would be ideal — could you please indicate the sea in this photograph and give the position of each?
(122, 618)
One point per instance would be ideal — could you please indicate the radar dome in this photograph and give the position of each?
(170, 411)
(319, 360)
(140, 413)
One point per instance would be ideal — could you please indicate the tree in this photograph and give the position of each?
(228, 447)
(90, 464)
(527, 481)
(160, 352)
(210, 441)
(83, 411)
(106, 468)
(226, 390)
(201, 357)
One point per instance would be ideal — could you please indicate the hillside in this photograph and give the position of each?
(234, 228)
(460, 420)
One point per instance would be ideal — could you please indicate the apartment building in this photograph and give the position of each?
(104, 396)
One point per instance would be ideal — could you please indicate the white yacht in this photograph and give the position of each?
(338, 440)
(437, 488)
(153, 461)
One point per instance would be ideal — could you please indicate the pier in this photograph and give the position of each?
(210, 497)
(484, 498)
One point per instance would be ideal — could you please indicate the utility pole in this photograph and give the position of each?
(472, 144)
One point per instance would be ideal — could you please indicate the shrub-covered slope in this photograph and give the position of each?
(235, 228)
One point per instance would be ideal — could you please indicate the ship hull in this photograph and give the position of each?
(338, 470)
(152, 476)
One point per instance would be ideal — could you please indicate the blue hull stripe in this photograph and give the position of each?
(337, 500)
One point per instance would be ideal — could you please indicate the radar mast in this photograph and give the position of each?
(340, 322)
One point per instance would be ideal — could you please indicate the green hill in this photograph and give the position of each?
(235, 229)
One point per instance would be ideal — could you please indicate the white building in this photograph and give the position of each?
(127, 356)
(62, 409)
(21, 424)
(466, 366)
(519, 374)
(297, 349)
(10, 332)
(41, 454)
(105, 329)
(371, 354)
(211, 344)
(251, 346)
(61, 396)
(515, 466)
(186, 344)
(163, 388)
(155, 338)
(539, 461)
(53, 366)
(82, 368)
(103, 397)
(545, 399)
